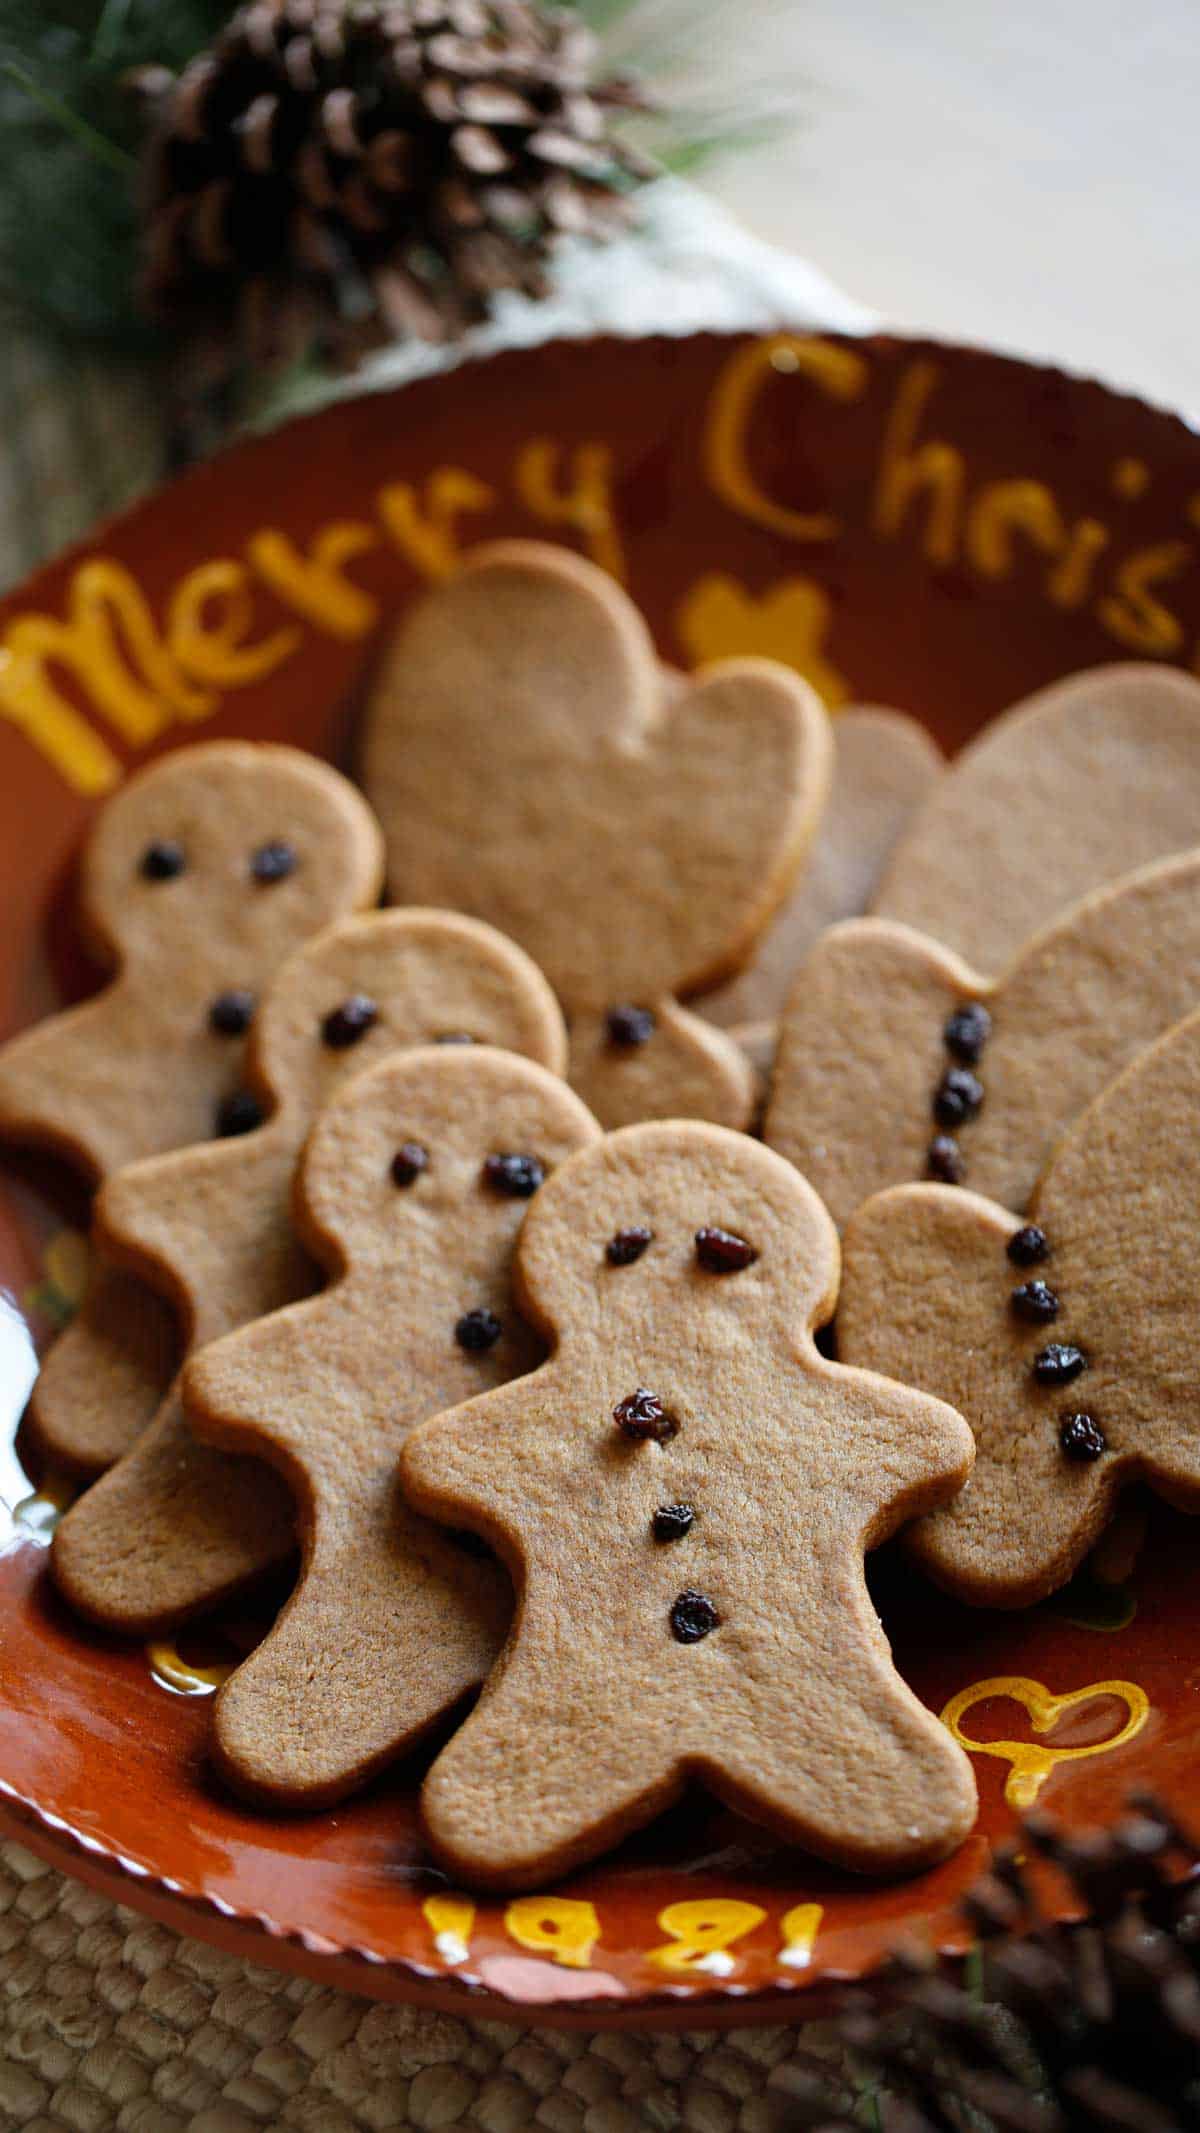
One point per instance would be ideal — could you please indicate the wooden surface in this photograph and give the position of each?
(1017, 172)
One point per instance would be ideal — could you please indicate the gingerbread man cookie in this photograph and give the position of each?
(198, 879)
(884, 764)
(1084, 781)
(897, 1062)
(532, 763)
(1068, 1340)
(175, 1525)
(684, 1492)
(411, 1192)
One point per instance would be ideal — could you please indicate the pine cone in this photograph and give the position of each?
(1091, 2028)
(375, 168)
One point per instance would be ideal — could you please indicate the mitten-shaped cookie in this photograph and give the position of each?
(176, 1525)
(1067, 1341)
(198, 879)
(410, 1193)
(897, 1062)
(531, 763)
(1086, 780)
(684, 1493)
(883, 766)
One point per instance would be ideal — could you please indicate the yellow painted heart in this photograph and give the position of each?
(1031, 1762)
(720, 619)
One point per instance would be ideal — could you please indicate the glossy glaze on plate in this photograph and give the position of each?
(929, 527)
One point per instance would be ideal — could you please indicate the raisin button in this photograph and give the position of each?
(692, 1617)
(672, 1521)
(477, 1331)
(944, 1160)
(1028, 1246)
(1059, 1363)
(642, 1416)
(273, 862)
(967, 1031)
(720, 1251)
(1035, 1302)
(958, 1097)
(231, 1013)
(349, 1023)
(629, 1026)
(516, 1175)
(1081, 1437)
(163, 861)
(239, 1113)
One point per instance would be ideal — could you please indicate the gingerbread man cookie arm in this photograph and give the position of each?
(861, 1050)
(659, 1061)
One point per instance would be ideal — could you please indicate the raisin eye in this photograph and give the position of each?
(164, 860)
(273, 862)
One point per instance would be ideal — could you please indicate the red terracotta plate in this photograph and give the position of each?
(920, 525)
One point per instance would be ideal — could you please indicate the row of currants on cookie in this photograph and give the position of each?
(584, 828)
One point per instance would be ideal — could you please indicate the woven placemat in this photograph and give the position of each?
(110, 2023)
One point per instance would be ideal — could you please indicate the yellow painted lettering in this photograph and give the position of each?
(702, 1934)
(59, 733)
(800, 1928)
(450, 1919)
(557, 1926)
(425, 529)
(1001, 511)
(209, 617)
(582, 500)
(907, 470)
(1132, 614)
(839, 373)
(316, 584)
(1070, 582)
(112, 645)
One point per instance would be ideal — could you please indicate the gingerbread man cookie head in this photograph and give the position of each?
(532, 764)
(1067, 1338)
(390, 978)
(199, 878)
(702, 1251)
(684, 1492)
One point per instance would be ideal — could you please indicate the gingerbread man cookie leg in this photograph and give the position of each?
(684, 1492)
(1066, 1340)
(199, 878)
(1086, 780)
(411, 1192)
(533, 764)
(884, 765)
(897, 1061)
(175, 1525)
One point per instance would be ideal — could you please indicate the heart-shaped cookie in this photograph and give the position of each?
(532, 764)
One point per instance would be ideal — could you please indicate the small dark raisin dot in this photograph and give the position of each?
(273, 862)
(629, 1026)
(163, 861)
(454, 1036)
(231, 1013)
(1028, 1246)
(517, 1175)
(1035, 1302)
(239, 1113)
(477, 1331)
(958, 1097)
(641, 1415)
(720, 1251)
(692, 1617)
(944, 1160)
(967, 1031)
(1081, 1437)
(1059, 1363)
(408, 1162)
(672, 1521)
(349, 1023)
(628, 1245)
